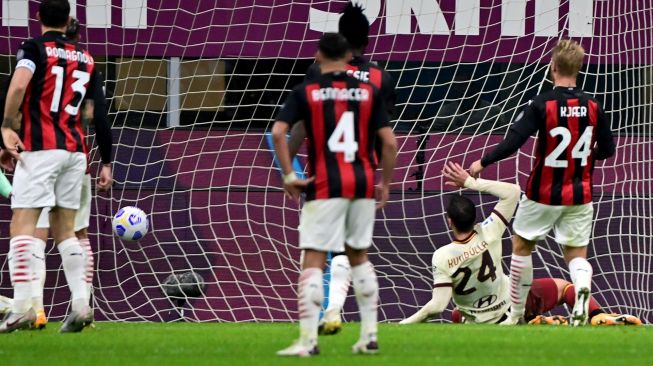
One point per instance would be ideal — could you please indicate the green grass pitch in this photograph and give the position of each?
(254, 344)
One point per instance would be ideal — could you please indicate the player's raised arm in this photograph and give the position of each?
(507, 193)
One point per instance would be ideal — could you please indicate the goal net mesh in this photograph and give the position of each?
(194, 87)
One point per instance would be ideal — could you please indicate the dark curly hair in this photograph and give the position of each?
(72, 31)
(354, 26)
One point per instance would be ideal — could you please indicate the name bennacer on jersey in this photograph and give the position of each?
(357, 94)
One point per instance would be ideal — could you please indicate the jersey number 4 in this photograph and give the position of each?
(486, 272)
(343, 138)
(78, 86)
(581, 149)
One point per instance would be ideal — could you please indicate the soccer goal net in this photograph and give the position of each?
(194, 87)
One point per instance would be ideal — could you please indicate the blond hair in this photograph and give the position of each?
(568, 57)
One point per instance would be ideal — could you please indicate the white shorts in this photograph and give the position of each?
(572, 224)
(326, 225)
(48, 178)
(83, 213)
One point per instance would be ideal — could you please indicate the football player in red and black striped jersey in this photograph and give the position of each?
(343, 117)
(354, 26)
(573, 132)
(42, 130)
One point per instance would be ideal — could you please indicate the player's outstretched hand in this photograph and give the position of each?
(455, 174)
(12, 142)
(7, 161)
(418, 317)
(382, 192)
(105, 180)
(295, 188)
(476, 168)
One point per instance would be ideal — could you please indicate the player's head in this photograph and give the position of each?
(332, 47)
(54, 13)
(354, 26)
(461, 213)
(72, 31)
(567, 58)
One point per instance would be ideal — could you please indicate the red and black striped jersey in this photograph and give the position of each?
(64, 75)
(342, 115)
(573, 132)
(369, 72)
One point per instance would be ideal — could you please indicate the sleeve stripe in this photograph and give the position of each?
(28, 64)
(436, 285)
(501, 217)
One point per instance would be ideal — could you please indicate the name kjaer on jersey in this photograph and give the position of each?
(575, 111)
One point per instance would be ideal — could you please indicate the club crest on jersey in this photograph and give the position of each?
(576, 111)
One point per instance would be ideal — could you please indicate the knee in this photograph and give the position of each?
(521, 246)
(574, 252)
(356, 256)
(82, 234)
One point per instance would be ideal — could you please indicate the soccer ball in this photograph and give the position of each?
(130, 223)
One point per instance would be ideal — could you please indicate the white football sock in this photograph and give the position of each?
(581, 273)
(338, 286)
(311, 294)
(366, 288)
(38, 280)
(89, 264)
(521, 278)
(72, 258)
(20, 271)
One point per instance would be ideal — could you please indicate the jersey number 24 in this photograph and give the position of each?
(486, 272)
(581, 150)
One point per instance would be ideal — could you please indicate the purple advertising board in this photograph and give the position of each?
(452, 31)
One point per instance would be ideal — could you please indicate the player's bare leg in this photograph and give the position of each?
(23, 222)
(580, 271)
(366, 288)
(339, 282)
(72, 258)
(521, 278)
(310, 295)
